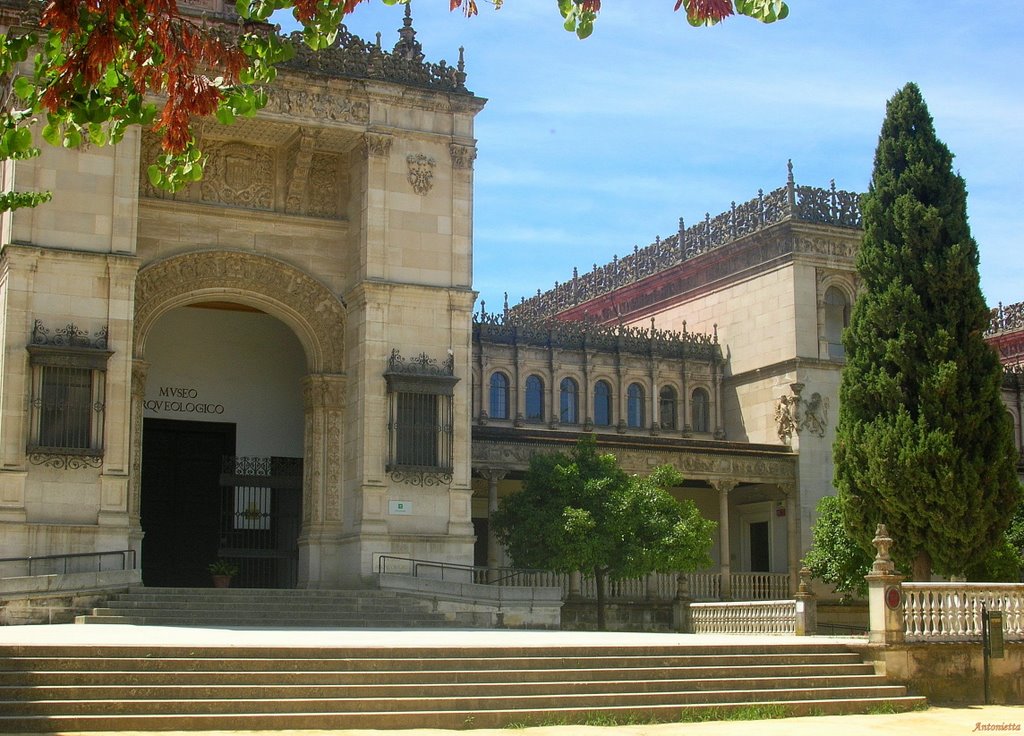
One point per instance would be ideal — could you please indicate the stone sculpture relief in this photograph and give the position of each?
(421, 172)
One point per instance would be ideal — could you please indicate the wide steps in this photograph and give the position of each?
(267, 608)
(109, 688)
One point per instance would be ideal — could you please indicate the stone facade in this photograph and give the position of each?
(336, 224)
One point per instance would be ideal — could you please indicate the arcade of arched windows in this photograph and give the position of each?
(672, 396)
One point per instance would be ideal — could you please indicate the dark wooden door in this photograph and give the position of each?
(181, 499)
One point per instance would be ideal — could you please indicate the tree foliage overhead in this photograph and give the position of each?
(924, 443)
(581, 511)
(95, 66)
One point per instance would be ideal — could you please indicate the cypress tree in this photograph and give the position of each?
(923, 442)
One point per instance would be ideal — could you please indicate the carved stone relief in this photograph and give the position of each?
(421, 172)
(238, 174)
(377, 144)
(462, 156)
(827, 247)
(318, 105)
(173, 281)
(796, 415)
(325, 182)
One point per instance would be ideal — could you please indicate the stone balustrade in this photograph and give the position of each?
(759, 586)
(700, 586)
(747, 617)
(952, 611)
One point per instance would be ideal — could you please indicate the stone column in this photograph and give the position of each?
(493, 476)
(681, 605)
(725, 563)
(575, 584)
(885, 594)
(140, 370)
(806, 606)
(719, 414)
(319, 553)
(792, 491)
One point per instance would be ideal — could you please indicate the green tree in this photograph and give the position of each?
(923, 442)
(581, 511)
(834, 556)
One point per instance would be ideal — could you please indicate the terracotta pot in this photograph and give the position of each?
(221, 581)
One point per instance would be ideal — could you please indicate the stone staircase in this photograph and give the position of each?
(270, 609)
(134, 688)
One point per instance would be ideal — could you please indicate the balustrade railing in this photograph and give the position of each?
(119, 559)
(1006, 318)
(759, 586)
(952, 611)
(747, 617)
(700, 586)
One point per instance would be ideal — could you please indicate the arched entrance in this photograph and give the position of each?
(237, 403)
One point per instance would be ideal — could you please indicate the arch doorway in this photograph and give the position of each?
(271, 340)
(223, 425)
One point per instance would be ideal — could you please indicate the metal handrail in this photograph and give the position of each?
(127, 556)
(478, 573)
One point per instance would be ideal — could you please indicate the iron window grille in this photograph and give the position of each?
(68, 379)
(635, 406)
(569, 404)
(667, 408)
(420, 419)
(499, 396)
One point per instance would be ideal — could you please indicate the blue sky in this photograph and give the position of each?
(587, 148)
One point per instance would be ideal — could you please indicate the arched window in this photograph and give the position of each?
(534, 399)
(837, 317)
(635, 405)
(602, 404)
(667, 407)
(569, 401)
(699, 418)
(499, 396)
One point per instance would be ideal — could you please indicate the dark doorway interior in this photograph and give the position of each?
(181, 499)
(760, 558)
(480, 528)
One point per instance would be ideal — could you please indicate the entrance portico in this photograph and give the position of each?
(317, 319)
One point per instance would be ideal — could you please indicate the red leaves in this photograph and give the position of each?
(469, 10)
(150, 48)
(704, 10)
(591, 6)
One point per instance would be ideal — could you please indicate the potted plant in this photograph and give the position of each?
(222, 571)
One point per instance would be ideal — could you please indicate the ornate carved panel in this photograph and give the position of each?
(462, 156)
(238, 174)
(326, 180)
(421, 172)
(309, 306)
(318, 106)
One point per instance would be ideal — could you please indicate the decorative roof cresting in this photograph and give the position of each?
(830, 206)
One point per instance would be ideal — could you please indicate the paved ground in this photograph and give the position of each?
(936, 721)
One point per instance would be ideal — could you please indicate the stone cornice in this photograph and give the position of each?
(511, 449)
(792, 365)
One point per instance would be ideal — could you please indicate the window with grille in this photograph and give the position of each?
(602, 404)
(699, 411)
(420, 420)
(499, 396)
(67, 400)
(534, 399)
(635, 405)
(667, 407)
(569, 402)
